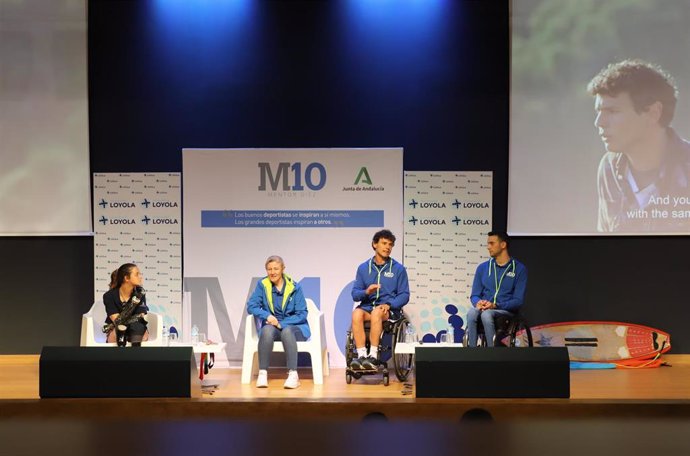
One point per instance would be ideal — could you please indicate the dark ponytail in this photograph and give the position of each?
(113, 280)
(123, 271)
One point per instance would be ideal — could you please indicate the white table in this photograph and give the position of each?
(201, 347)
(408, 348)
(204, 349)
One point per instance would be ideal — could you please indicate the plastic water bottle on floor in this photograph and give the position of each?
(166, 336)
(195, 334)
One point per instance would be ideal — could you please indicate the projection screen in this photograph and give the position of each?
(44, 154)
(597, 146)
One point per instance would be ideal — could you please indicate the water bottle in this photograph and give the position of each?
(410, 335)
(195, 334)
(166, 336)
(451, 334)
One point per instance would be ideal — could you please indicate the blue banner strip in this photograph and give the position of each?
(292, 219)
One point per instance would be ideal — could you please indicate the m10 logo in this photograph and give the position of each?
(314, 176)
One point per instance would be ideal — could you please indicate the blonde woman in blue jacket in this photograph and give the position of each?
(279, 303)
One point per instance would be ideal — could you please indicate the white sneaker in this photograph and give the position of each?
(292, 381)
(262, 379)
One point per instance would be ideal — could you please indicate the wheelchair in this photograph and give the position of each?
(393, 332)
(513, 327)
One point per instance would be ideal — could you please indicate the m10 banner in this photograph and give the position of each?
(447, 217)
(316, 208)
(137, 219)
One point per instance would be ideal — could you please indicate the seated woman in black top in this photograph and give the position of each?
(127, 287)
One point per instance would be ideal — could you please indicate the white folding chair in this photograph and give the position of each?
(92, 328)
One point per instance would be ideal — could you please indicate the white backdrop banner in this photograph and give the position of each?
(137, 219)
(316, 208)
(447, 217)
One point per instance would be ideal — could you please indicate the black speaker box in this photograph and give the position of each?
(118, 372)
(529, 372)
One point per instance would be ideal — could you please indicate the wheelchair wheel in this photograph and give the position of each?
(530, 341)
(349, 349)
(520, 334)
(386, 380)
(481, 340)
(402, 362)
(348, 378)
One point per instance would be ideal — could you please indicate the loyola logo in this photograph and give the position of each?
(363, 177)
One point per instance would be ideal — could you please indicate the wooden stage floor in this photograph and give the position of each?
(651, 393)
(631, 412)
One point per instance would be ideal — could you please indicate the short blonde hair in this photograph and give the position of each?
(274, 259)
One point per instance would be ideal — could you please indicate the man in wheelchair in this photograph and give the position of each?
(380, 287)
(498, 289)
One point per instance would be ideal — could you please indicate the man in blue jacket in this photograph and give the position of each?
(498, 289)
(381, 287)
(279, 303)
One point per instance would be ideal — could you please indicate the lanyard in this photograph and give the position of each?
(378, 276)
(499, 282)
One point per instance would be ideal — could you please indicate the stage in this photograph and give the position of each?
(615, 393)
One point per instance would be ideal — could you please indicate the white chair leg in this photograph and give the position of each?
(248, 361)
(317, 368)
(324, 362)
(255, 364)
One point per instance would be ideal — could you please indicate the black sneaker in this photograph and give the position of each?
(356, 364)
(370, 363)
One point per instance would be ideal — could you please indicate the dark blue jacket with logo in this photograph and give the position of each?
(510, 280)
(392, 276)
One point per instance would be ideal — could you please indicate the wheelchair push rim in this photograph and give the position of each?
(402, 362)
